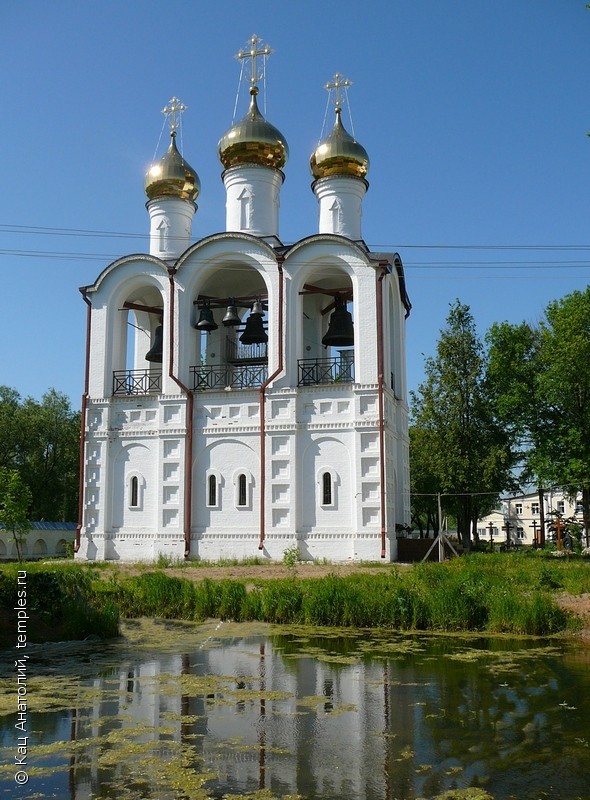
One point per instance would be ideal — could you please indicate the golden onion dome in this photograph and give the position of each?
(172, 176)
(253, 140)
(339, 154)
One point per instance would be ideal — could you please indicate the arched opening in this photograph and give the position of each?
(39, 548)
(327, 328)
(242, 490)
(138, 368)
(134, 492)
(326, 489)
(61, 548)
(212, 491)
(231, 329)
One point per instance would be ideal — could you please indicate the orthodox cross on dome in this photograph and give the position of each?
(338, 83)
(173, 112)
(256, 49)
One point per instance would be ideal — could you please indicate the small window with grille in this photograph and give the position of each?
(134, 492)
(242, 490)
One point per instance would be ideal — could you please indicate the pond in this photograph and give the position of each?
(177, 710)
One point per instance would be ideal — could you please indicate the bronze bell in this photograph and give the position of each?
(231, 317)
(340, 331)
(206, 321)
(257, 309)
(155, 352)
(254, 332)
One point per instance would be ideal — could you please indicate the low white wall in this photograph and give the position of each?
(38, 543)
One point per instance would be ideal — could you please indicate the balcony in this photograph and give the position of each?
(228, 376)
(315, 371)
(136, 381)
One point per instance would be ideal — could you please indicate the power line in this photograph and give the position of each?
(479, 266)
(84, 232)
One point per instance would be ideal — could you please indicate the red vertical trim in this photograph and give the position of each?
(188, 445)
(381, 404)
(262, 405)
(82, 457)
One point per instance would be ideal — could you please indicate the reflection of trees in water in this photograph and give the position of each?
(497, 716)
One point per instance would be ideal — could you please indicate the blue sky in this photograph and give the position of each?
(474, 115)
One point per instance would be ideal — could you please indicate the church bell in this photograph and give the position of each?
(231, 317)
(254, 332)
(206, 321)
(340, 331)
(155, 352)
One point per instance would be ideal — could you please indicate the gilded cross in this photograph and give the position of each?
(173, 112)
(256, 49)
(338, 83)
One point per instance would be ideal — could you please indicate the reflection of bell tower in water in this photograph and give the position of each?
(244, 395)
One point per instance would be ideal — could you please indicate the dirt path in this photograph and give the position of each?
(579, 605)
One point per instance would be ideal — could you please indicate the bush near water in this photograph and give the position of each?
(61, 604)
(502, 593)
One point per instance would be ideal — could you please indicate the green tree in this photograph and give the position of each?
(40, 441)
(51, 467)
(423, 481)
(546, 399)
(11, 427)
(15, 500)
(469, 458)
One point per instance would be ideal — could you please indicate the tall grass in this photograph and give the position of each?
(466, 595)
(499, 593)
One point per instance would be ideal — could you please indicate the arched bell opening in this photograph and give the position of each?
(231, 330)
(327, 329)
(142, 344)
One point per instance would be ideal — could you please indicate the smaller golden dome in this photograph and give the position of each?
(171, 176)
(253, 140)
(339, 154)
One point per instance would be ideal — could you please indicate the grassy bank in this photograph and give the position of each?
(56, 602)
(478, 593)
(501, 593)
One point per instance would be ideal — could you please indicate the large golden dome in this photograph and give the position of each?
(253, 140)
(171, 176)
(339, 154)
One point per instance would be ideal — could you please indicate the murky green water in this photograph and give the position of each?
(175, 710)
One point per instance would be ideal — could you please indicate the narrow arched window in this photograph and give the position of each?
(242, 490)
(134, 492)
(212, 491)
(326, 489)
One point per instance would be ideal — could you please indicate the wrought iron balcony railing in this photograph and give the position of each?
(238, 353)
(313, 371)
(136, 381)
(233, 376)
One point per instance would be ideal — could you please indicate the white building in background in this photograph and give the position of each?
(244, 395)
(523, 512)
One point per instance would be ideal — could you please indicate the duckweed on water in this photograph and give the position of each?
(462, 794)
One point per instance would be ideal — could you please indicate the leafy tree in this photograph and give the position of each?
(11, 427)
(469, 457)
(40, 441)
(546, 399)
(15, 500)
(423, 482)
(51, 468)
